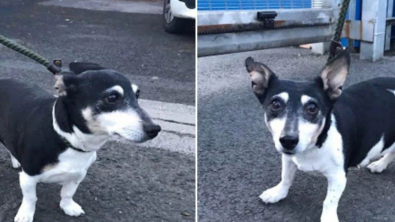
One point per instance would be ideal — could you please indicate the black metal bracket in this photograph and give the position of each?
(55, 67)
(267, 17)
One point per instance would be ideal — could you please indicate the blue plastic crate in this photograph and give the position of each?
(358, 16)
(213, 5)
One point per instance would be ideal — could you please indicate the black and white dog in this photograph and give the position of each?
(55, 139)
(317, 127)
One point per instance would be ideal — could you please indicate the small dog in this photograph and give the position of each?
(317, 127)
(55, 139)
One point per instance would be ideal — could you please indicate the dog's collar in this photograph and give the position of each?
(68, 144)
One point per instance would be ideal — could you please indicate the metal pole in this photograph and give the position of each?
(376, 12)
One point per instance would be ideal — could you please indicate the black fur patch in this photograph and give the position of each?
(365, 112)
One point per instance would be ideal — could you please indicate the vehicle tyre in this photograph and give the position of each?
(172, 24)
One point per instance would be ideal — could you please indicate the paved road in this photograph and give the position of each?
(154, 181)
(237, 160)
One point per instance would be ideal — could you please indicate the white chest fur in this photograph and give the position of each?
(72, 166)
(323, 159)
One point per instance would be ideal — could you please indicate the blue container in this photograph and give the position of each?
(213, 5)
(358, 16)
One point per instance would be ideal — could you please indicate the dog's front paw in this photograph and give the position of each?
(377, 166)
(71, 208)
(329, 217)
(274, 194)
(24, 215)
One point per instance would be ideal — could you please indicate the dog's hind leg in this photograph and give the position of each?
(15, 162)
(28, 206)
(379, 165)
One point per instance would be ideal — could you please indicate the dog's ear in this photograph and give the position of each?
(80, 67)
(260, 75)
(65, 84)
(334, 74)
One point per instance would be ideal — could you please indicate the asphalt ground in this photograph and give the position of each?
(153, 181)
(236, 155)
(132, 43)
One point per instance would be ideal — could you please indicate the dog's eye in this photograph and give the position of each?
(137, 94)
(312, 108)
(112, 98)
(276, 104)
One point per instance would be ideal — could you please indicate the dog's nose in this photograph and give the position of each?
(289, 142)
(151, 130)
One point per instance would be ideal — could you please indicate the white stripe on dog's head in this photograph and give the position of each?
(135, 88)
(283, 96)
(305, 99)
(116, 88)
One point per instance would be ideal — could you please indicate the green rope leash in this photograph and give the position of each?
(340, 21)
(52, 67)
(338, 31)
